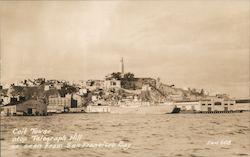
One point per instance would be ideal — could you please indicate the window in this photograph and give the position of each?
(231, 104)
(209, 104)
(203, 104)
(217, 103)
(225, 104)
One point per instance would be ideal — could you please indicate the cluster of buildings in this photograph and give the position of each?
(41, 96)
(99, 95)
(63, 96)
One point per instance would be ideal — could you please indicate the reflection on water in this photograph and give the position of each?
(149, 135)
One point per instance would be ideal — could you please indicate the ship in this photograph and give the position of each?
(132, 108)
(155, 109)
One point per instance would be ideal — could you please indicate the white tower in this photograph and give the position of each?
(122, 66)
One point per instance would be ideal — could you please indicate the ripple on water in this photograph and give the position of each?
(197, 149)
(91, 128)
(241, 131)
(125, 152)
(194, 155)
(241, 154)
(116, 125)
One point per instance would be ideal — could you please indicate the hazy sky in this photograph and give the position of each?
(192, 43)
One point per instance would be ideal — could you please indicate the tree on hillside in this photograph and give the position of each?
(129, 76)
(67, 89)
(202, 93)
(116, 75)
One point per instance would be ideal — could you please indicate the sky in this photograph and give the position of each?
(192, 43)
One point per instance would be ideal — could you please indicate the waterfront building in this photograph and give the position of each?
(58, 104)
(29, 107)
(207, 105)
(217, 104)
(61, 104)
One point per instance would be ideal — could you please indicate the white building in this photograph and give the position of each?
(146, 87)
(112, 84)
(217, 104)
(209, 105)
(46, 87)
(83, 91)
(188, 105)
(6, 100)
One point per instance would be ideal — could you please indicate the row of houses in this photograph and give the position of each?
(109, 82)
(101, 84)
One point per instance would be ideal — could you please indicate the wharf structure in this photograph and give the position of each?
(212, 105)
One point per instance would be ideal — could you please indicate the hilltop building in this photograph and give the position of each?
(113, 83)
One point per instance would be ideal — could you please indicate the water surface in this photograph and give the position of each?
(201, 135)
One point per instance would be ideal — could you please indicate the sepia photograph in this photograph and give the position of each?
(125, 78)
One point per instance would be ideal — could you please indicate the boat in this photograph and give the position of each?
(162, 108)
(131, 108)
